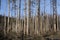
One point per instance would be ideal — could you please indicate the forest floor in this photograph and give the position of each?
(13, 36)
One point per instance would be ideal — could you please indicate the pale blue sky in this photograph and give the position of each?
(4, 7)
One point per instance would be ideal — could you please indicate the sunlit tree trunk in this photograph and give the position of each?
(35, 24)
(28, 17)
(41, 27)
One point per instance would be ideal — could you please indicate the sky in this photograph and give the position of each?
(4, 7)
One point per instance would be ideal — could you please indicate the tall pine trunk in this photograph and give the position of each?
(8, 15)
(28, 16)
(25, 18)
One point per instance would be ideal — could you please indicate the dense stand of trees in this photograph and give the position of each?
(30, 22)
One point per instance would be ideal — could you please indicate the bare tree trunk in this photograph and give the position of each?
(55, 15)
(4, 24)
(28, 16)
(36, 23)
(20, 13)
(36, 29)
(16, 20)
(15, 9)
(8, 15)
(18, 16)
(45, 16)
(15, 14)
(13, 23)
(41, 28)
(38, 17)
(25, 18)
(57, 24)
(47, 23)
(33, 23)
